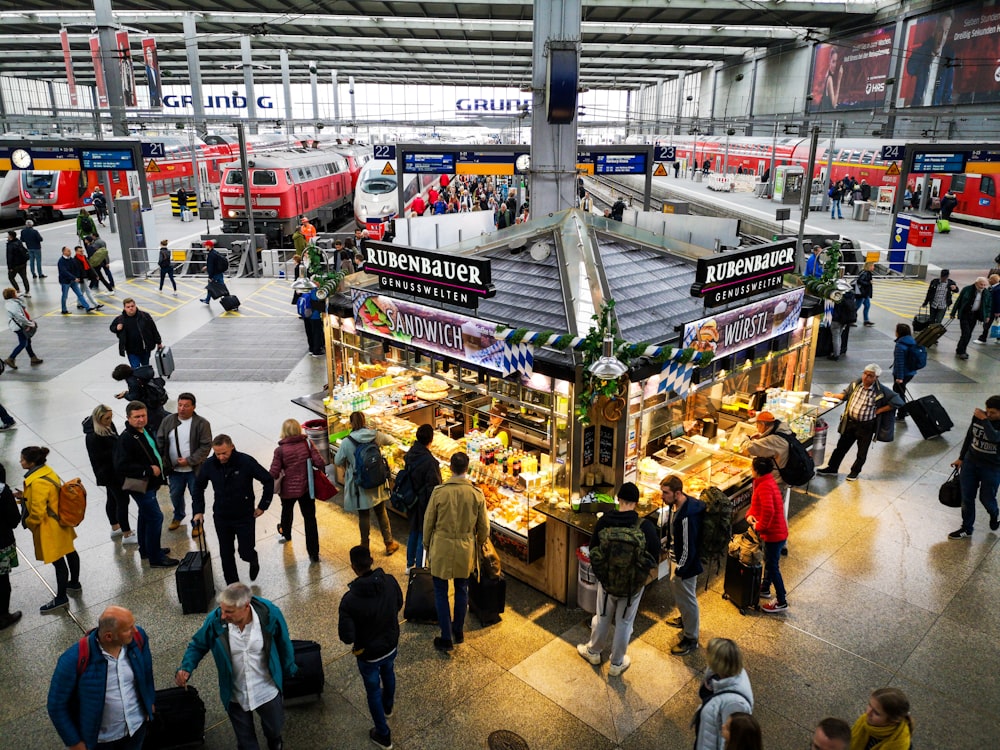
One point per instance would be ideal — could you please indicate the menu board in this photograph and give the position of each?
(607, 446)
(589, 438)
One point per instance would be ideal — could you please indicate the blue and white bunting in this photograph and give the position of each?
(676, 376)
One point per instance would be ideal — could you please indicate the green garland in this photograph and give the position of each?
(326, 281)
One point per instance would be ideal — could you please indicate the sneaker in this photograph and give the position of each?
(130, 538)
(74, 587)
(869, 323)
(42, 276)
(115, 533)
(174, 525)
(684, 647)
(380, 740)
(66, 312)
(585, 652)
(442, 645)
(8, 426)
(54, 606)
(773, 607)
(852, 477)
(616, 669)
(254, 570)
(9, 619)
(833, 357)
(962, 355)
(676, 622)
(994, 521)
(974, 341)
(28, 296)
(391, 547)
(960, 534)
(827, 471)
(458, 636)
(765, 593)
(387, 711)
(165, 562)
(205, 301)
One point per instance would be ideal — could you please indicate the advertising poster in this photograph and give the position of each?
(95, 57)
(152, 65)
(68, 60)
(746, 326)
(127, 71)
(429, 329)
(851, 72)
(952, 57)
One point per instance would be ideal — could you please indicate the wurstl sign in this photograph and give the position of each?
(448, 279)
(735, 276)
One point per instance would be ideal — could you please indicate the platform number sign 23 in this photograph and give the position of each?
(664, 153)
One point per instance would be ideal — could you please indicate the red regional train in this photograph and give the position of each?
(46, 195)
(285, 185)
(976, 188)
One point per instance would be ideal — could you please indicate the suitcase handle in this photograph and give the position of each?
(202, 542)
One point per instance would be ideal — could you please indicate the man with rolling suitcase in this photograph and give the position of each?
(369, 620)
(248, 637)
(973, 306)
(939, 295)
(979, 467)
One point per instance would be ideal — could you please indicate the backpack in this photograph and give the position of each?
(304, 305)
(99, 258)
(72, 502)
(403, 497)
(19, 254)
(156, 393)
(371, 470)
(846, 311)
(916, 357)
(620, 560)
(164, 260)
(799, 468)
(716, 525)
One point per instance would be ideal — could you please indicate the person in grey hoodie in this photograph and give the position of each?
(902, 370)
(725, 690)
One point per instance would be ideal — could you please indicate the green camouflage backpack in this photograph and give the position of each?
(620, 560)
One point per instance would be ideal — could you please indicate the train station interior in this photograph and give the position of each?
(878, 594)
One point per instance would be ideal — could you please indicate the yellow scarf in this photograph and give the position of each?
(893, 737)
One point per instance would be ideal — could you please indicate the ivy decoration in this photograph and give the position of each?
(327, 282)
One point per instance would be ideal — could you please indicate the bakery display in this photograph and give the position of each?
(431, 389)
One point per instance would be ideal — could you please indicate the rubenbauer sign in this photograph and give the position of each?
(735, 276)
(448, 279)
(735, 330)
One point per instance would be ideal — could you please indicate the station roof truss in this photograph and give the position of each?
(625, 43)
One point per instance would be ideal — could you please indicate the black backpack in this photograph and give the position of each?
(19, 256)
(156, 393)
(799, 468)
(620, 560)
(846, 311)
(403, 496)
(371, 470)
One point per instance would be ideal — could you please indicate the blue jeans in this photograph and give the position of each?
(441, 604)
(126, 743)
(137, 360)
(23, 342)
(35, 261)
(5, 417)
(180, 480)
(79, 295)
(272, 720)
(415, 541)
(167, 271)
(867, 302)
(835, 210)
(380, 685)
(973, 476)
(772, 571)
(150, 524)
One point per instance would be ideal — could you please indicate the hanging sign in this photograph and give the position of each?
(447, 279)
(739, 329)
(733, 276)
(429, 329)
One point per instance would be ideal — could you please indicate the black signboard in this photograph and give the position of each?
(429, 163)
(107, 158)
(589, 436)
(953, 163)
(448, 279)
(607, 447)
(734, 276)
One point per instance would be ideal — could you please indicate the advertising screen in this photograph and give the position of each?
(850, 73)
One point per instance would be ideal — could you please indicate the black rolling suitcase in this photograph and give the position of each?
(230, 302)
(216, 290)
(929, 416)
(419, 603)
(742, 584)
(487, 597)
(179, 720)
(310, 679)
(195, 585)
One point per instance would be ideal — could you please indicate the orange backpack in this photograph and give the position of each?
(72, 502)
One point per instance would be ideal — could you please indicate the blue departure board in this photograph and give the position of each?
(107, 158)
(952, 163)
(429, 163)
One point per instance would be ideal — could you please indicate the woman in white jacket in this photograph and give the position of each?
(725, 691)
(20, 323)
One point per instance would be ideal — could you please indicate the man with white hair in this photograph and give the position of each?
(973, 306)
(866, 399)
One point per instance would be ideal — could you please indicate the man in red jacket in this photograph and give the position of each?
(767, 516)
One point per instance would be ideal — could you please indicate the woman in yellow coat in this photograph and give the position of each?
(53, 542)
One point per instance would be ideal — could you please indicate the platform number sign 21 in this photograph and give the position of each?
(384, 151)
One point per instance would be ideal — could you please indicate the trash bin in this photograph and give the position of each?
(586, 587)
(318, 433)
(698, 176)
(862, 210)
(818, 450)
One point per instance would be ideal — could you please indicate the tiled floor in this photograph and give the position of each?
(878, 594)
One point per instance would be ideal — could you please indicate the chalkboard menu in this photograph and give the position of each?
(607, 447)
(589, 437)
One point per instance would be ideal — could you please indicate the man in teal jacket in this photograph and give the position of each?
(249, 639)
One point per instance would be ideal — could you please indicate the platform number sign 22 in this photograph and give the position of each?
(384, 151)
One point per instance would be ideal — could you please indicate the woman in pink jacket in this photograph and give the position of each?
(291, 458)
(767, 516)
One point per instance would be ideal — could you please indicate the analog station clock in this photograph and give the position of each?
(523, 162)
(20, 158)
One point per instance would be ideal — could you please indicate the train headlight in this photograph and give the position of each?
(385, 208)
(233, 214)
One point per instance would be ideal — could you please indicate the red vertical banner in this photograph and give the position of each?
(95, 56)
(152, 65)
(125, 66)
(68, 59)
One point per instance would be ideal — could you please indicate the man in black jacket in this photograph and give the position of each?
(425, 474)
(231, 474)
(137, 334)
(17, 262)
(621, 608)
(369, 619)
(138, 459)
(215, 266)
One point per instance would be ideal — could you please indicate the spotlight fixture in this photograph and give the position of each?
(608, 367)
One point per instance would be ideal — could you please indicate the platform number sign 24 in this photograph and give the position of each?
(893, 153)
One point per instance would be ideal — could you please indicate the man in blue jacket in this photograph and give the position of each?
(231, 474)
(85, 712)
(248, 637)
(684, 543)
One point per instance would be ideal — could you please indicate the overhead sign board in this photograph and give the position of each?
(384, 151)
(29, 156)
(447, 279)
(664, 153)
(734, 276)
(739, 329)
(429, 163)
(153, 150)
(484, 163)
(893, 153)
(952, 163)
(612, 162)
(107, 158)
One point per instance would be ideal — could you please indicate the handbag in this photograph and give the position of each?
(950, 493)
(747, 547)
(135, 485)
(995, 331)
(320, 486)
